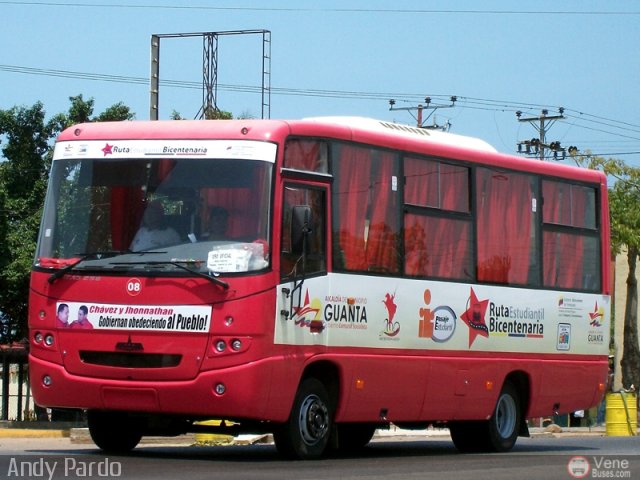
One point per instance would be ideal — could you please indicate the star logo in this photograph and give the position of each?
(107, 150)
(474, 317)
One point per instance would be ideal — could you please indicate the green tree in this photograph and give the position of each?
(211, 113)
(624, 200)
(23, 176)
(26, 138)
(624, 208)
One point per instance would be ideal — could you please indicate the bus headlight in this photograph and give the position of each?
(48, 340)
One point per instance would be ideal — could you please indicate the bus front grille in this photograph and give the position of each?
(130, 360)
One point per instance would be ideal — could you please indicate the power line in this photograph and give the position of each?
(580, 119)
(407, 11)
(196, 85)
(412, 98)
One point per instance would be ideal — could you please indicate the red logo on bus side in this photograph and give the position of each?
(134, 286)
(474, 317)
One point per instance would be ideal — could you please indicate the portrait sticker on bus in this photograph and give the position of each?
(168, 318)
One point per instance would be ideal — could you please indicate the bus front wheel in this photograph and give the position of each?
(306, 433)
(498, 434)
(113, 432)
(354, 436)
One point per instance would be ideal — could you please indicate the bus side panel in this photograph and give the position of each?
(417, 388)
(382, 387)
(566, 386)
(441, 388)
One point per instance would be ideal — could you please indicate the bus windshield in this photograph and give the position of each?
(209, 215)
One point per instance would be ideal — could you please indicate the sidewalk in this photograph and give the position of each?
(81, 435)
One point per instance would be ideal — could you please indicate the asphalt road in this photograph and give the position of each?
(539, 457)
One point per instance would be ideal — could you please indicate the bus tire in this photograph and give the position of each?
(498, 434)
(354, 436)
(468, 437)
(305, 435)
(113, 432)
(504, 423)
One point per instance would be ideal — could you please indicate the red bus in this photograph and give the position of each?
(316, 279)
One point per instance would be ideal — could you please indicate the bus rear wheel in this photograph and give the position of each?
(113, 432)
(305, 435)
(498, 434)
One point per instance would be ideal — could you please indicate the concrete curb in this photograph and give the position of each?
(33, 433)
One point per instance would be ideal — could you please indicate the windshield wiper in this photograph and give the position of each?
(89, 256)
(181, 265)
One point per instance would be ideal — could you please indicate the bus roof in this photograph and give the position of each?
(379, 126)
(349, 128)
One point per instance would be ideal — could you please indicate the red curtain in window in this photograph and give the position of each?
(382, 239)
(126, 212)
(164, 168)
(237, 202)
(563, 254)
(563, 260)
(454, 188)
(570, 205)
(246, 206)
(582, 202)
(305, 155)
(504, 213)
(421, 182)
(437, 247)
(351, 194)
(366, 226)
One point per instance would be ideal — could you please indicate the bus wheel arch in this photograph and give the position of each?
(522, 383)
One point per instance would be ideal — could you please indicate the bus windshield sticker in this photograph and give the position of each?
(237, 257)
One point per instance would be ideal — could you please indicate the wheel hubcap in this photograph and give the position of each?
(314, 420)
(506, 416)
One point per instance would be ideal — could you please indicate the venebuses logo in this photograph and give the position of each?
(578, 467)
(599, 467)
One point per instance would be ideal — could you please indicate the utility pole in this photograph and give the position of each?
(420, 112)
(538, 146)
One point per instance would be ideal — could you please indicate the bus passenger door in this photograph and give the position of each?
(303, 265)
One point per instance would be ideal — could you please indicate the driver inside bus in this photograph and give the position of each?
(218, 224)
(154, 231)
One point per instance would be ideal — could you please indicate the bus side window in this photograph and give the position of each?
(506, 228)
(290, 260)
(571, 242)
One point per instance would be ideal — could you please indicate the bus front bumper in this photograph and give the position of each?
(236, 392)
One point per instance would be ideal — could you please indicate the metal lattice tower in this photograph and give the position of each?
(210, 70)
(209, 74)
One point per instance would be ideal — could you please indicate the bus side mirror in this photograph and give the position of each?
(300, 228)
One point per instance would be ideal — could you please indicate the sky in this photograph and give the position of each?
(347, 57)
